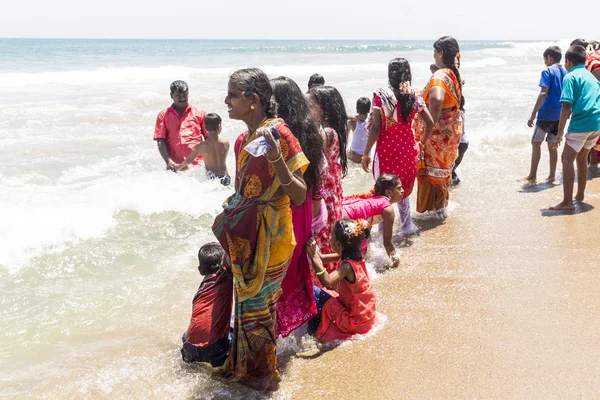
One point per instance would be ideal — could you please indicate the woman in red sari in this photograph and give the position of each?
(443, 96)
(297, 302)
(391, 126)
(255, 228)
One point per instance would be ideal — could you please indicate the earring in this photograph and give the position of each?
(252, 107)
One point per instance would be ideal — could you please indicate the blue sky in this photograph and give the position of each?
(305, 19)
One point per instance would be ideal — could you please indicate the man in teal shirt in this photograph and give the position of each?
(580, 100)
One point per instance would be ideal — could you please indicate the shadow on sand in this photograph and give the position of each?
(580, 208)
(535, 188)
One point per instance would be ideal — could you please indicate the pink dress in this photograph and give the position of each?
(397, 149)
(357, 208)
(297, 302)
(332, 195)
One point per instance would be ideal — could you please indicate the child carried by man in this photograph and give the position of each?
(214, 151)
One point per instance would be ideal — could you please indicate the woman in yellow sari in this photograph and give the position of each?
(443, 96)
(255, 228)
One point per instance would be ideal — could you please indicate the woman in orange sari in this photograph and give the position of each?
(255, 228)
(443, 96)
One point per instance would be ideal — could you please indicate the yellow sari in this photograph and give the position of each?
(256, 232)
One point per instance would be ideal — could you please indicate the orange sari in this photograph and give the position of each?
(435, 162)
(256, 232)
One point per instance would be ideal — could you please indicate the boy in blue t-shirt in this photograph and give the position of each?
(580, 100)
(547, 111)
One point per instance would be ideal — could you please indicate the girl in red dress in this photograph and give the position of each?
(353, 310)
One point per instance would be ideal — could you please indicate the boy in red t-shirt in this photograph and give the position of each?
(207, 337)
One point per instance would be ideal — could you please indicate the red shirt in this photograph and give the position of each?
(211, 309)
(182, 133)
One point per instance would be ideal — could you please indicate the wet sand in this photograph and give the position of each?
(499, 301)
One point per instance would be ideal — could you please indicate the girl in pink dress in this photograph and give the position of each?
(329, 106)
(376, 206)
(390, 125)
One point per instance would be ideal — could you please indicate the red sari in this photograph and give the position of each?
(255, 229)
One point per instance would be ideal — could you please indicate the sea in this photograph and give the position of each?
(98, 242)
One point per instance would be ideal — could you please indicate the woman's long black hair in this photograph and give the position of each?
(350, 243)
(398, 72)
(333, 112)
(292, 107)
(254, 80)
(449, 46)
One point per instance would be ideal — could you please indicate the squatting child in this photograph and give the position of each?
(207, 337)
(352, 311)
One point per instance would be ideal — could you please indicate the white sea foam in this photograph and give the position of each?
(84, 202)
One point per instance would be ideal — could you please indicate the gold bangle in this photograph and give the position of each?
(320, 273)
(363, 157)
(287, 184)
(274, 161)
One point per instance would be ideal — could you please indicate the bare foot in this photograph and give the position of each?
(550, 180)
(529, 179)
(563, 206)
(579, 197)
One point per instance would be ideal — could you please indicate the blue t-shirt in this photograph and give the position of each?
(552, 79)
(582, 89)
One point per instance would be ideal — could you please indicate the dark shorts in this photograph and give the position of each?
(545, 129)
(225, 179)
(215, 353)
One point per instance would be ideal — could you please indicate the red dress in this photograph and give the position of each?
(397, 150)
(332, 192)
(352, 311)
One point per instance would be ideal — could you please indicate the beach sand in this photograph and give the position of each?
(499, 301)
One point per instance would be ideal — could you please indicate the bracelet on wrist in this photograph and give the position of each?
(278, 158)
(320, 272)
(289, 183)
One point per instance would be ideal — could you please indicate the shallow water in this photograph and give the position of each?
(97, 266)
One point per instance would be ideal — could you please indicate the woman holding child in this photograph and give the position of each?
(443, 96)
(255, 227)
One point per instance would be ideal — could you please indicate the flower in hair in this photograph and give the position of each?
(356, 228)
(405, 87)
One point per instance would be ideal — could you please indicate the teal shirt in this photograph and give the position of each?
(582, 89)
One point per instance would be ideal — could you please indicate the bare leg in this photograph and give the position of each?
(553, 161)
(582, 173)
(568, 158)
(536, 150)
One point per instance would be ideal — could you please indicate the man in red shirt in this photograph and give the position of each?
(179, 128)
